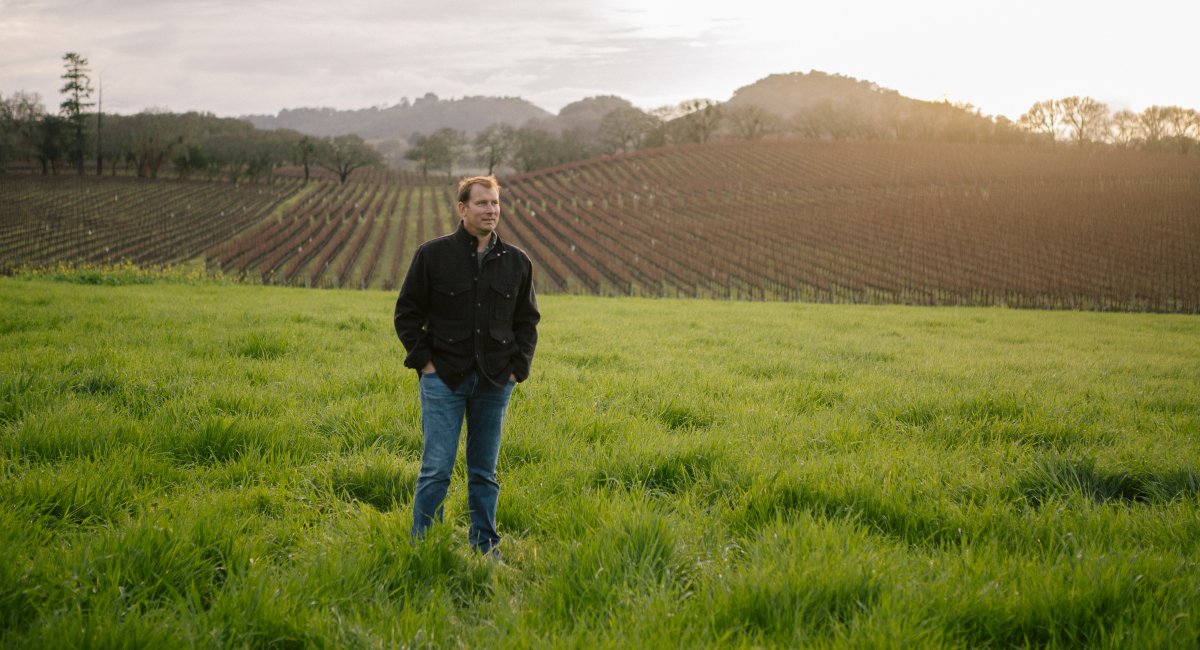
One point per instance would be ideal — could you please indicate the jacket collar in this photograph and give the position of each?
(461, 234)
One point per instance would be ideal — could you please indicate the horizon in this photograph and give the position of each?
(262, 57)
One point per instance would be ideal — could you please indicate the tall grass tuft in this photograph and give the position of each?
(376, 478)
(620, 558)
(798, 583)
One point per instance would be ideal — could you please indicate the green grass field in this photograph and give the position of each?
(215, 465)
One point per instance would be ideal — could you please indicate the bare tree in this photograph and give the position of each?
(1043, 117)
(345, 153)
(438, 150)
(699, 123)
(1154, 124)
(812, 122)
(1184, 124)
(1125, 128)
(492, 145)
(420, 150)
(752, 122)
(454, 144)
(624, 129)
(1085, 117)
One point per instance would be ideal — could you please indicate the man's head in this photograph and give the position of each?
(479, 205)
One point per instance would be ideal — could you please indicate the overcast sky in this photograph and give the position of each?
(234, 57)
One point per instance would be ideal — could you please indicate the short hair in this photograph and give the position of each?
(464, 186)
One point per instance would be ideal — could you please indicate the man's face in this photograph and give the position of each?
(481, 212)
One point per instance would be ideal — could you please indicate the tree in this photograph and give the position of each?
(191, 159)
(20, 117)
(1085, 117)
(438, 150)
(228, 154)
(115, 143)
(1154, 125)
(492, 145)
(270, 149)
(1006, 131)
(752, 122)
(78, 87)
(1124, 128)
(846, 121)
(810, 122)
(52, 142)
(1043, 117)
(533, 149)
(346, 153)
(153, 136)
(305, 152)
(699, 123)
(625, 129)
(1184, 123)
(450, 144)
(8, 134)
(420, 150)
(574, 144)
(100, 130)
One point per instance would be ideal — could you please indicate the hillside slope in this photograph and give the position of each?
(871, 221)
(882, 222)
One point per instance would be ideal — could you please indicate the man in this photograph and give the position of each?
(467, 316)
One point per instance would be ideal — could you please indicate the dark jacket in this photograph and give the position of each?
(458, 316)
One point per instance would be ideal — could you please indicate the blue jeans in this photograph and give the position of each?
(442, 412)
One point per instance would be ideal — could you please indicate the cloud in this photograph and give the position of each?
(259, 56)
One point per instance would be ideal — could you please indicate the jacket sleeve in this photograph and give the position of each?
(412, 313)
(525, 321)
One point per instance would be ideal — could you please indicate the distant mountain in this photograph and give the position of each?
(815, 104)
(425, 115)
(787, 94)
(821, 105)
(584, 114)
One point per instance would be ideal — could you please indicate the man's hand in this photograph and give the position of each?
(428, 368)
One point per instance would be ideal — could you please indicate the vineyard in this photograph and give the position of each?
(358, 235)
(871, 222)
(44, 220)
(796, 220)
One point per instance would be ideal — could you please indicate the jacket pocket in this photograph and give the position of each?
(504, 301)
(452, 339)
(499, 348)
(502, 335)
(451, 301)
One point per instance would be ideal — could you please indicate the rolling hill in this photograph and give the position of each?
(423, 115)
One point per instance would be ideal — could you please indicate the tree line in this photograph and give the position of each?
(152, 142)
(203, 145)
(1084, 121)
(1080, 121)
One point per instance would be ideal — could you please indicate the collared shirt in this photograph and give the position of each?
(491, 244)
(462, 309)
